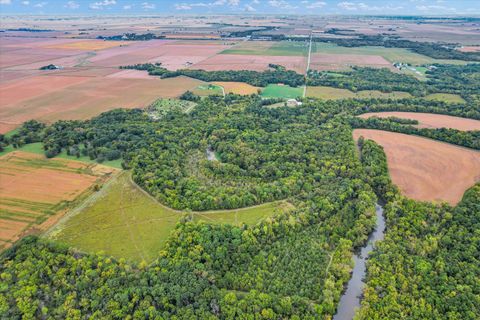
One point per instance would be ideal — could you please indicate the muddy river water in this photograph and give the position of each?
(350, 300)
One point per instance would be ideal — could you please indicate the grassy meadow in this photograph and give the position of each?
(125, 222)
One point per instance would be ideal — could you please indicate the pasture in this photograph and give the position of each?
(425, 169)
(447, 97)
(208, 89)
(281, 91)
(35, 191)
(430, 120)
(124, 221)
(330, 93)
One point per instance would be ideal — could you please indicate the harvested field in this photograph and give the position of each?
(269, 48)
(35, 191)
(89, 98)
(470, 49)
(250, 62)
(124, 221)
(90, 45)
(430, 120)
(322, 61)
(238, 87)
(426, 169)
(131, 74)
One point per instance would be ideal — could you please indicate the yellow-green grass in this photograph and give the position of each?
(250, 216)
(390, 54)
(208, 89)
(262, 48)
(37, 148)
(330, 93)
(447, 97)
(281, 91)
(124, 221)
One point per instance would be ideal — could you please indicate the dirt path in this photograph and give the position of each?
(308, 64)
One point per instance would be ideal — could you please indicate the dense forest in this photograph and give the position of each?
(428, 266)
(293, 265)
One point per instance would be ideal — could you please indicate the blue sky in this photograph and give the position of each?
(372, 7)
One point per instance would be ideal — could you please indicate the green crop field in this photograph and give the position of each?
(125, 222)
(281, 91)
(390, 54)
(281, 48)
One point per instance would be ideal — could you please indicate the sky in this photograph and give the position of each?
(351, 7)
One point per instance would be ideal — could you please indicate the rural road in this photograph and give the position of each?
(308, 64)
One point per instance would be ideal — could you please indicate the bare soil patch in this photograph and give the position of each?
(250, 62)
(430, 120)
(327, 61)
(425, 169)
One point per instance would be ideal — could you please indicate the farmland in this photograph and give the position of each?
(447, 97)
(391, 55)
(281, 91)
(237, 87)
(36, 191)
(425, 169)
(263, 48)
(128, 223)
(330, 93)
(429, 120)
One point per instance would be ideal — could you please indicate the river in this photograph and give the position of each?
(350, 300)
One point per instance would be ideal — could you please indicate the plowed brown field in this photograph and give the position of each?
(34, 191)
(430, 120)
(425, 169)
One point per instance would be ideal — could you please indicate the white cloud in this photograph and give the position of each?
(316, 4)
(72, 5)
(148, 6)
(429, 8)
(25, 3)
(127, 7)
(361, 6)
(281, 4)
(5, 1)
(189, 6)
(40, 4)
(102, 4)
(249, 8)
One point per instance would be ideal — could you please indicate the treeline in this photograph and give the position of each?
(131, 37)
(430, 49)
(452, 79)
(368, 79)
(255, 78)
(469, 139)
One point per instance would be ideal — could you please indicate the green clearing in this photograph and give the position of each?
(446, 97)
(208, 89)
(390, 54)
(281, 91)
(259, 48)
(37, 148)
(125, 222)
(330, 93)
